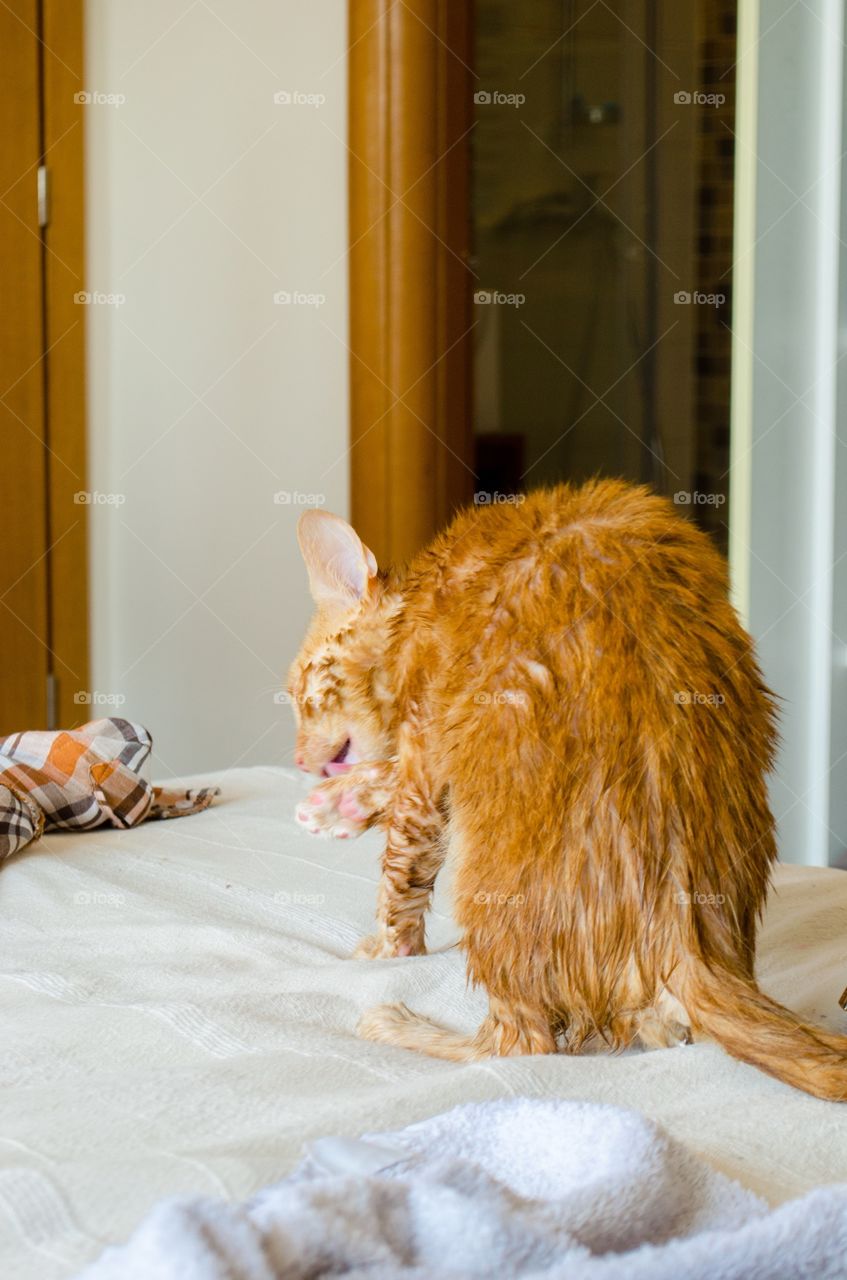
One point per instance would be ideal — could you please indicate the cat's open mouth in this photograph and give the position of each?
(343, 759)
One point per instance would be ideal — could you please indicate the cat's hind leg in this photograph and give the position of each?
(508, 1031)
(664, 1024)
(649, 1027)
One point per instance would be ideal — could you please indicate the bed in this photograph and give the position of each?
(178, 1012)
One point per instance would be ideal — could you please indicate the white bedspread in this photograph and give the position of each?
(177, 1013)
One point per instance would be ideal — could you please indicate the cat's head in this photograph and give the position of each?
(336, 684)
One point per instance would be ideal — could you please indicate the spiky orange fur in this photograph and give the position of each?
(560, 694)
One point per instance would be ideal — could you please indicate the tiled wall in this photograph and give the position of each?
(716, 68)
(582, 265)
(541, 234)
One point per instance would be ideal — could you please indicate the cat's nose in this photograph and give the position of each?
(299, 761)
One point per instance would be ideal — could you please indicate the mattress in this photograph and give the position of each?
(178, 1009)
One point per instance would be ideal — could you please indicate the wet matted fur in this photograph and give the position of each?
(558, 694)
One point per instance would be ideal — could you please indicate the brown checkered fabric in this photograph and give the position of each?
(82, 778)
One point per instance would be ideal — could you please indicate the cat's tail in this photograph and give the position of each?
(748, 1024)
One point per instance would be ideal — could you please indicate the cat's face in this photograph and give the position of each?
(342, 708)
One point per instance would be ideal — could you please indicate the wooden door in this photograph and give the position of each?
(43, 597)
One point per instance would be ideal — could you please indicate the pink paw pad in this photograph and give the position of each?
(349, 806)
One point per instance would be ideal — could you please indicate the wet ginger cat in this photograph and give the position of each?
(558, 694)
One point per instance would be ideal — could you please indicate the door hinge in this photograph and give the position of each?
(52, 699)
(43, 181)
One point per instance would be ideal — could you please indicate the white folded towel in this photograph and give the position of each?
(499, 1189)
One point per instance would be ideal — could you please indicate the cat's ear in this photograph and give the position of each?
(340, 565)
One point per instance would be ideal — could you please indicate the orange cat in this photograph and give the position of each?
(560, 695)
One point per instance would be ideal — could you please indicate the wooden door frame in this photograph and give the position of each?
(410, 89)
(23, 596)
(44, 592)
(64, 140)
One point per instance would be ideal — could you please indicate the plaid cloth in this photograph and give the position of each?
(82, 778)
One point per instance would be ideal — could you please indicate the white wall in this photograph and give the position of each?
(786, 539)
(204, 199)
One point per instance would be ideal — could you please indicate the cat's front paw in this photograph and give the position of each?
(388, 946)
(347, 805)
(332, 809)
